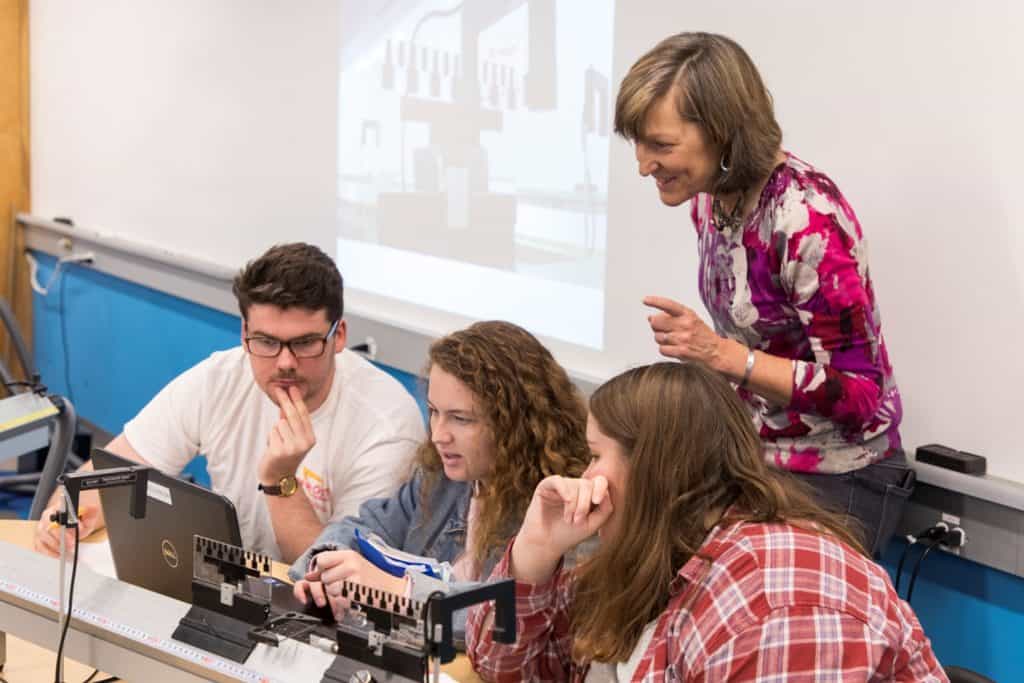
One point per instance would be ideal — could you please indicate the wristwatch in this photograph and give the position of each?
(285, 487)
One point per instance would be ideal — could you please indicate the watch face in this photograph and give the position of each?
(288, 486)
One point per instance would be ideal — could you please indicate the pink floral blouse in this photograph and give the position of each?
(793, 281)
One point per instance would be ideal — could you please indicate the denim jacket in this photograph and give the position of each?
(401, 523)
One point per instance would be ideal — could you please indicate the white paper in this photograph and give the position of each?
(96, 556)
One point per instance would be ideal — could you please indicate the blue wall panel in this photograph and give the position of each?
(124, 342)
(973, 614)
(127, 341)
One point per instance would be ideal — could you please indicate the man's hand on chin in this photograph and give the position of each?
(290, 439)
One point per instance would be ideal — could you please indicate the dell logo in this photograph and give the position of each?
(170, 554)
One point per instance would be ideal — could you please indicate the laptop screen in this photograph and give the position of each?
(156, 552)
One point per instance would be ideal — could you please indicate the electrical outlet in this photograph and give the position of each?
(86, 257)
(955, 540)
(995, 530)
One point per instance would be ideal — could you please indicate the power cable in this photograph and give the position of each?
(951, 539)
(62, 309)
(938, 531)
(67, 620)
(917, 567)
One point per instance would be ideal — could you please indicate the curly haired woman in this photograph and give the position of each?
(503, 416)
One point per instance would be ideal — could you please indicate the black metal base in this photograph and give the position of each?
(344, 670)
(406, 662)
(215, 633)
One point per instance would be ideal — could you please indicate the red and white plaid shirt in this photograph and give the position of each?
(776, 604)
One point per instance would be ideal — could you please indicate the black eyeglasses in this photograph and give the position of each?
(304, 347)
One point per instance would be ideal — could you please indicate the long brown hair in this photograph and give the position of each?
(717, 87)
(693, 455)
(535, 416)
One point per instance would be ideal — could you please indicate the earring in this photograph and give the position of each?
(722, 165)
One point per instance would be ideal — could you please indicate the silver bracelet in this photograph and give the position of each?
(747, 369)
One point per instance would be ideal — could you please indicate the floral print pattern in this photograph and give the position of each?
(793, 281)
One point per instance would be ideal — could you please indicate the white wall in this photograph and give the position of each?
(914, 109)
(204, 127)
(210, 129)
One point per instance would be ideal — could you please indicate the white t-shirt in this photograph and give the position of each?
(366, 433)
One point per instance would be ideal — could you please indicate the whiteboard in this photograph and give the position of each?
(211, 129)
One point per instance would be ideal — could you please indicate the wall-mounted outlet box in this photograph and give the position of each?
(989, 510)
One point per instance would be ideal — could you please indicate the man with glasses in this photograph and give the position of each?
(297, 430)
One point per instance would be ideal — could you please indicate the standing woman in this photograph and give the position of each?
(782, 272)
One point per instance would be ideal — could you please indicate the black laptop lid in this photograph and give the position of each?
(156, 552)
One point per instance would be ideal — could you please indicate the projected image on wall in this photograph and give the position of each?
(473, 158)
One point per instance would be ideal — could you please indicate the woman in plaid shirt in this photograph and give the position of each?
(711, 565)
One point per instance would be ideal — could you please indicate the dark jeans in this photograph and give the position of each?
(874, 496)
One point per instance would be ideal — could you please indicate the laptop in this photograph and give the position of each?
(156, 552)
